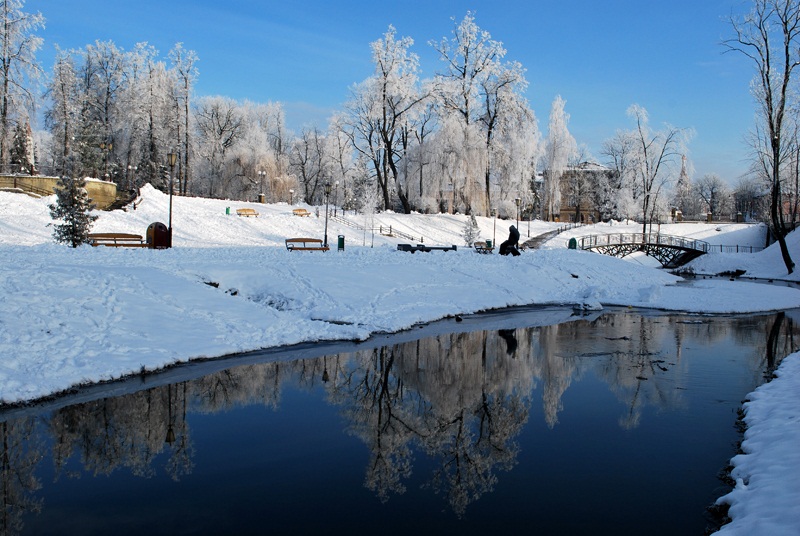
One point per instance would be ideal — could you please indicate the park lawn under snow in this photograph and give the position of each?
(77, 316)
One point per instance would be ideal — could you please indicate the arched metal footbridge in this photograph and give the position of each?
(670, 251)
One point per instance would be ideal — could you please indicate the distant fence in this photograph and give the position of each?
(718, 248)
(381, 229)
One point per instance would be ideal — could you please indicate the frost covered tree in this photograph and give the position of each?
(714, 193)
(379, 110)
(220, 125)
(560, 150)
(471, 230)
(309, 163)
(654, 161)
(19, 69)
(156, 114)
(22, 155)
(103, 77)
(73, 208)
(340, 154)
(60, 119)
(185, 73)
(769, 36)
(482, 105)
(113, 111)
(617, 193)
(751, 198)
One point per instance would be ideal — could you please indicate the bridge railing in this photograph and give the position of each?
(719, 248)
(592, 241)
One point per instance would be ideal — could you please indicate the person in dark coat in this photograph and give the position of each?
(509, 247)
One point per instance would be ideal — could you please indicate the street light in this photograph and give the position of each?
(105, 147)
(172, 158)
(291, 196)
(494, 226)
(261, 175)
(327, 196)
(517, 201)
(530, 211)
(130, 184)
(335, 198)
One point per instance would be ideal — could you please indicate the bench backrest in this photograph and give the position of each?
(305, 243)
(313, 241)
(114, 236)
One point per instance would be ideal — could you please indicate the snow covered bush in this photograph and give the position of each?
(471, 230)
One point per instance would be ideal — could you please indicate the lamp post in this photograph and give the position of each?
(327, 196)
(105, 147)
(530, 211)
(172, 158)
(494, 226)
(291, 196)
(517, 201)
(132, 177)
(261, 175)
(335, 197)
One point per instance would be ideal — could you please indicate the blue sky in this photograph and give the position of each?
(601, 56)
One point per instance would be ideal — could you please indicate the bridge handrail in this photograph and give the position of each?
(595, 240)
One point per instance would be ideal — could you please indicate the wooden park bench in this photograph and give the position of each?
(305, 244)
(482, 247)
(301, 212)
(426, 249)
(247, 212)
(117, 240)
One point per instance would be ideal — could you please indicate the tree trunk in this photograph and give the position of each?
(779, 229)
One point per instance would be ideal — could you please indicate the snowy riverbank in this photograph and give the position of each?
(76, 316)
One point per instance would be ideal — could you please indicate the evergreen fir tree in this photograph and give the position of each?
(471, 230)
(73, 207)
(19, 151)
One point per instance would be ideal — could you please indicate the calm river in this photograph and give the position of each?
(522, 422)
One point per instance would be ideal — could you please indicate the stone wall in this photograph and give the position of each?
(102, 193)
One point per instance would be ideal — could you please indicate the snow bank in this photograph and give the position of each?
(74, 316)
(766, 499)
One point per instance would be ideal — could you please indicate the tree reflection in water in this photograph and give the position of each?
(461, 398)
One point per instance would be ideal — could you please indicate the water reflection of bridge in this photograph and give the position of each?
(670, 251)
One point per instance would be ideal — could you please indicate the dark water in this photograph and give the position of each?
(617, 423)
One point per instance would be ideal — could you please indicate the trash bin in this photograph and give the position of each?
(573, 244)
(488, 243)
(261, 198)
(228, 210)
(158, 236)
(341, 242)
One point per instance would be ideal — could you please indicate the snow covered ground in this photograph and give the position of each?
(77, 316)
